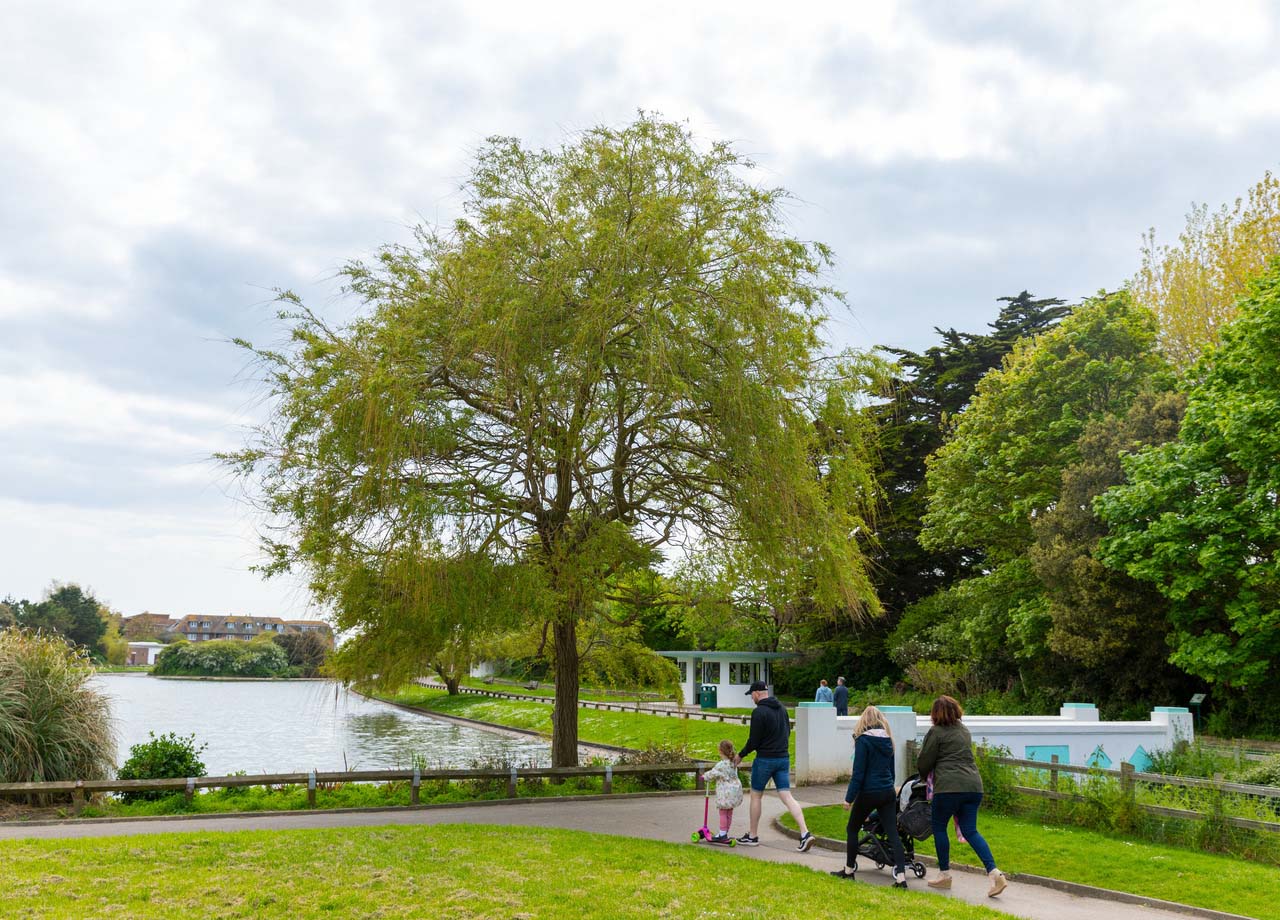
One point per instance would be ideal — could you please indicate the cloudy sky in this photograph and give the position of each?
(163, 166)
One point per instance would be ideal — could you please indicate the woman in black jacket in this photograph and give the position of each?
(871, 789)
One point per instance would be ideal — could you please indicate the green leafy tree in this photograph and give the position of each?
(1002, 466)
(1199, 518)
(1111, 627)
(614, 352)
(70, 612)
(113, 645)
(8, 614)
(934, 387)
(306, 651)
(1193, 285)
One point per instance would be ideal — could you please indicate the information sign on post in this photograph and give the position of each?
(1196, 700)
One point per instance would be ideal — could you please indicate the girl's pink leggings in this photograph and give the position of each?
(726, 818)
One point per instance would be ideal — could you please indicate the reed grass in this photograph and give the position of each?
(53, 724)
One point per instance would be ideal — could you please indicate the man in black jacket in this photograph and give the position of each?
(841, 698)
(770, 731)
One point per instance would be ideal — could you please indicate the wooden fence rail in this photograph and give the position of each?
(651, 709)
(1129, 779)
(81, 789)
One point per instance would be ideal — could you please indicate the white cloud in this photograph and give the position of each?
(80, 409)
(161, 164)
(171, 563)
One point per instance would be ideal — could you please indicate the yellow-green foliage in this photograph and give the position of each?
(1193, 285)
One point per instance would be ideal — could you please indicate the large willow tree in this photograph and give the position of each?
(616, 351)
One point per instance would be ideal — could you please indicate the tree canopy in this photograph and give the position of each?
(617, 350)
(1002, 465)
(930, 391)
(1000, 471)
(1199, 517)
(1111, 627)
(68, 611)
(1193, 285)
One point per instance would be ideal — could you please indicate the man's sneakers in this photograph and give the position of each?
(848, 872)
(805, 844)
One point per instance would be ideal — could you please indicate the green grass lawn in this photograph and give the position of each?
(625, 729)
(440, 872)
(549, 691)
(1091, 858)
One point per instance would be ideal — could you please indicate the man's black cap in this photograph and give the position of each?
(758, 685)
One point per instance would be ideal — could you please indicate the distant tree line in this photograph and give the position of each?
(73, 613)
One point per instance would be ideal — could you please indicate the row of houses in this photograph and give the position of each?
(196, 627)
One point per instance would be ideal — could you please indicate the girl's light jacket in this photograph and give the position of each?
(728, 786)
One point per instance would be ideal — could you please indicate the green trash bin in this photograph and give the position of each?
(707, 696)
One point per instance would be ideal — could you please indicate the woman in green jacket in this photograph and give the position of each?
(947, 752)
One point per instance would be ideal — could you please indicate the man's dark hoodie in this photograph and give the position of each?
(770, 729)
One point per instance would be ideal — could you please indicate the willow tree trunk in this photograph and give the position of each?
(564, 715)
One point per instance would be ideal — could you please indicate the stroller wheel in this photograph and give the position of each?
(918, 869)
(879, 865)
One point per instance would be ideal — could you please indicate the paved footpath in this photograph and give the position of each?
(669, 818)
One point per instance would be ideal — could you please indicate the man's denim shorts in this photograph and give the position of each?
(765, 768)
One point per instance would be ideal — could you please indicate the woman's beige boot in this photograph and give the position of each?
(941, 880)
(998, 883)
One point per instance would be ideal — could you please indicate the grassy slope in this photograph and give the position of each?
(1091, 858)
(441, 872)
(626, 729)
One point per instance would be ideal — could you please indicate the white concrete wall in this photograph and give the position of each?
(824, 741)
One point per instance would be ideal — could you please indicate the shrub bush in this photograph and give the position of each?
(660, 754)
(1266, 773)
(1194, 759)
(53, 724)
(169, 756)
(223, 658)
(998, 780)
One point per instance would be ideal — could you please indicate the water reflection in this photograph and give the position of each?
(281, 727)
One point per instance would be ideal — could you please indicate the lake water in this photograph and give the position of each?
(294, 726)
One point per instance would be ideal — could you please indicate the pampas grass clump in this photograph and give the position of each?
(53, 724)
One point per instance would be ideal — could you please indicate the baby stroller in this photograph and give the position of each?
(914, 820)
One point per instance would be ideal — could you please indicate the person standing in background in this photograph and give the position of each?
(824, 694)
(841, 697)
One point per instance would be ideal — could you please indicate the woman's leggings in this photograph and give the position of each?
(963, 806)
(883, 803)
